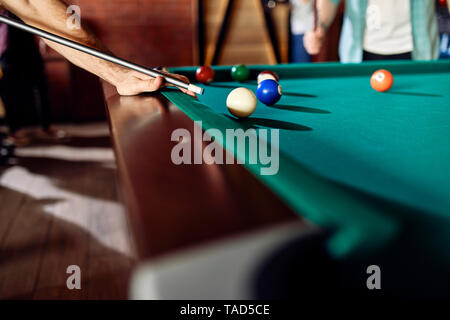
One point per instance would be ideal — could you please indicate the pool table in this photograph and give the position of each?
(371, 169)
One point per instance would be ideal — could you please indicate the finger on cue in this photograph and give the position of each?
(99, 54)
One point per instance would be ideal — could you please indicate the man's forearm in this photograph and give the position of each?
(326, 11)
(51, 15)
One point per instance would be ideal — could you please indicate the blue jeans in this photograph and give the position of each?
(298, 51)
(445, 46)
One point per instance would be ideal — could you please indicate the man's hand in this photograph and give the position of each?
(313, 40)
(51, 15)
(132, 83)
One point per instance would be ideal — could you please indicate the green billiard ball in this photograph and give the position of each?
(240, 73)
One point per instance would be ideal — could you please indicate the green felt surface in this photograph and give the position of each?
(352, 159)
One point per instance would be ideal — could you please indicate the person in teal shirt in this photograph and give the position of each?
(380, 30)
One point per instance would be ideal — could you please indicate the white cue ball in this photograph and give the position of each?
(241, 102)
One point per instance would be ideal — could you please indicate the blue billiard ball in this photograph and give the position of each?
(268, 92)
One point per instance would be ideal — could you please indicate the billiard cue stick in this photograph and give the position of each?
(96, 53)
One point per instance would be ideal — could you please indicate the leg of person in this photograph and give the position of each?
(445, 45)
(6, 149)
(298, 51)
(42, 101)
(11, 101)
(44, 110)
(14, 98)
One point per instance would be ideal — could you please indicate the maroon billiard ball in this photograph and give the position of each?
(265, 75)
(205, 74)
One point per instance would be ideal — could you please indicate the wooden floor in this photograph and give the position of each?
(59, 207)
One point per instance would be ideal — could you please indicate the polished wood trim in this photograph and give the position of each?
(174, 207)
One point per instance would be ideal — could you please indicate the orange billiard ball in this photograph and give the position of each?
(381, 80)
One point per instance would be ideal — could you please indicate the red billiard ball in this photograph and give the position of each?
(205, 74)
(264, 75)
(381, 80)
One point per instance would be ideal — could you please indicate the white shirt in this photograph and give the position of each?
(388, 27)
(302, 16)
